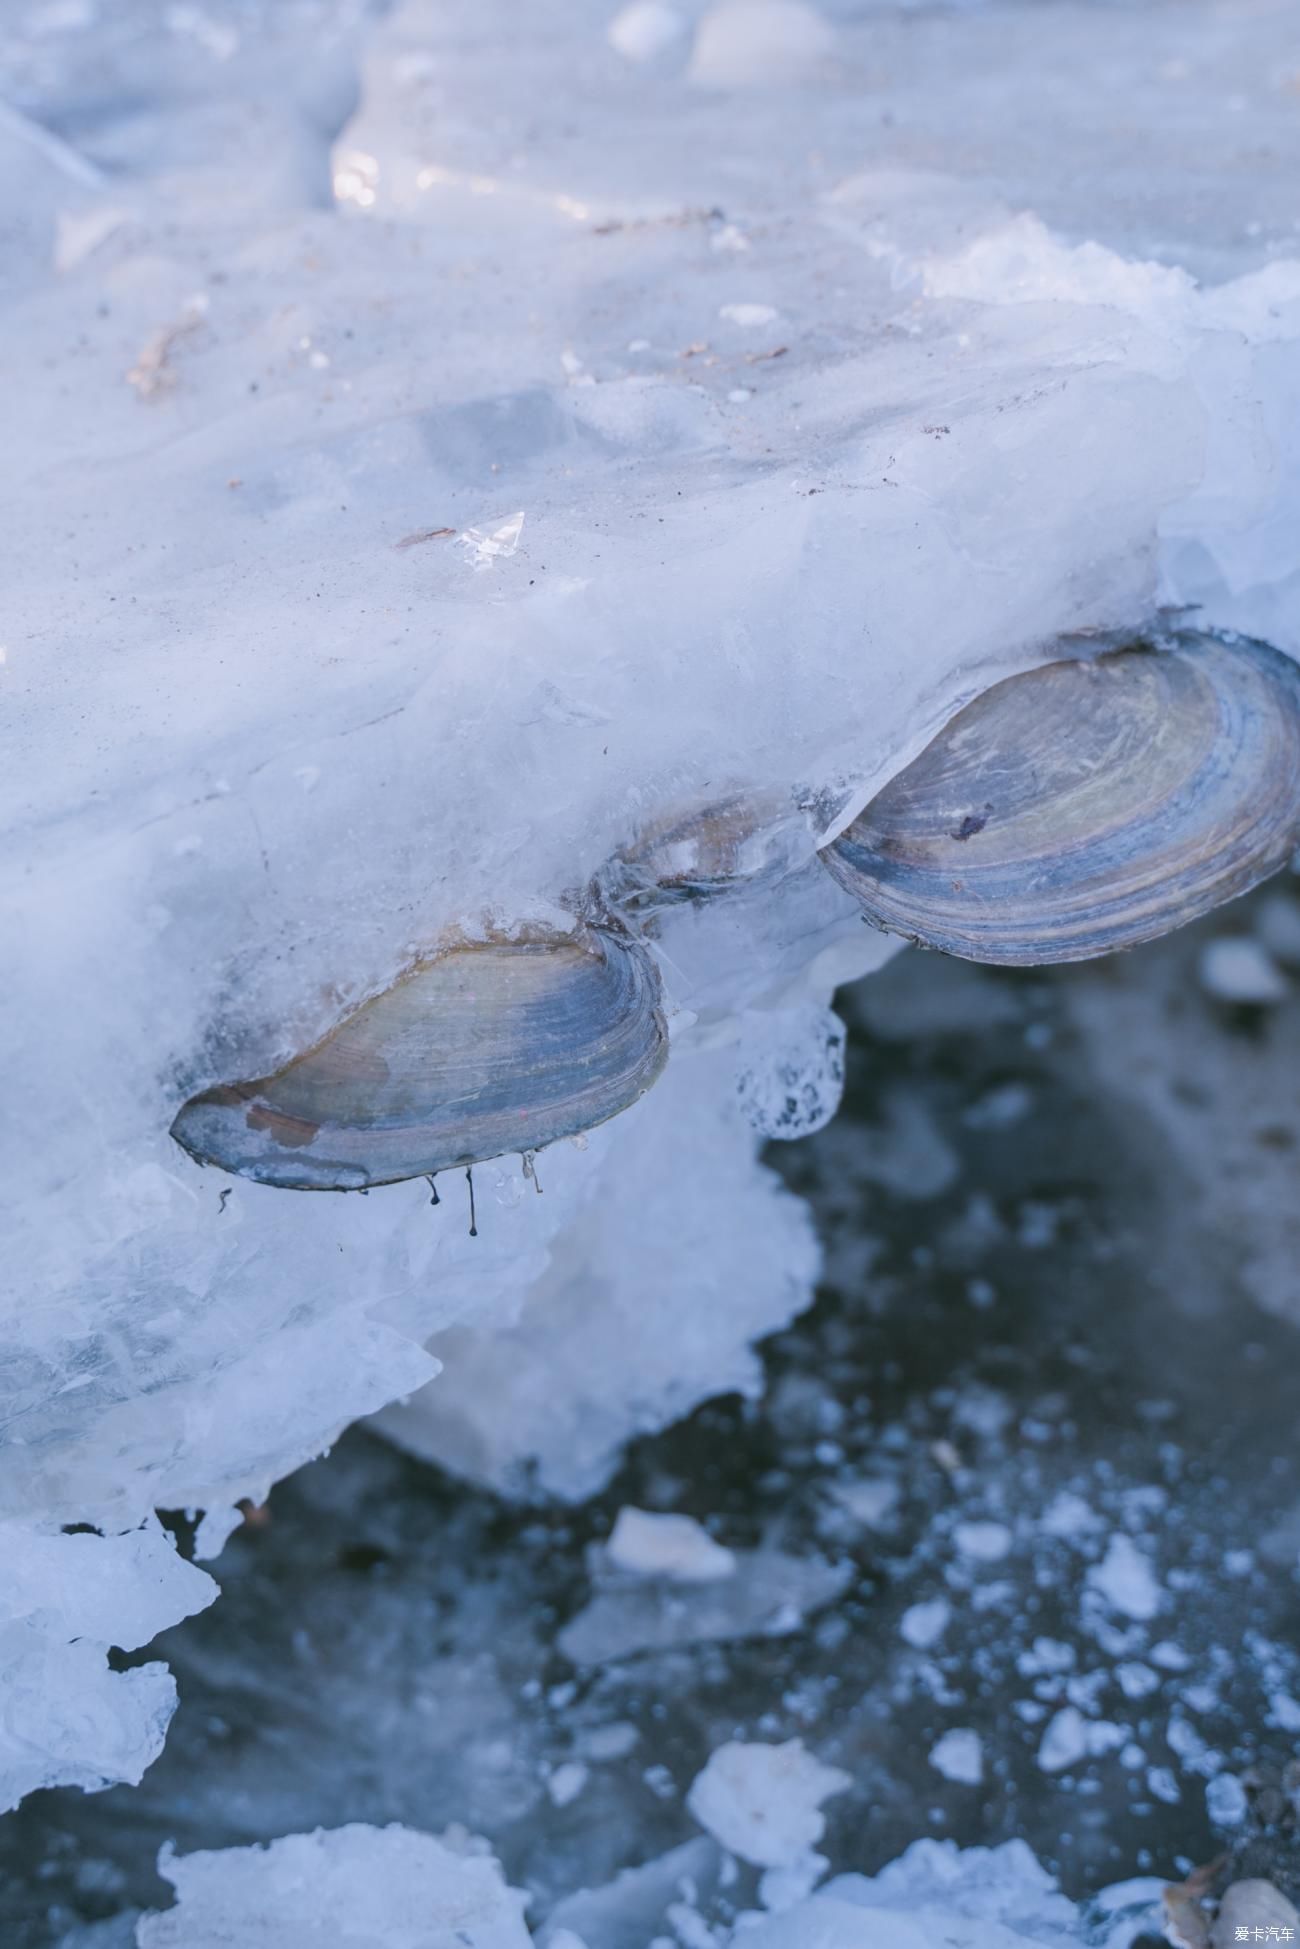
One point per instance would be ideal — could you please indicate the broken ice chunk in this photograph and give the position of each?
(1136, 1680)
(1125, 1579)
(763, 1802)
(1277, 923)
(870, 1500)
(675, 1547)
(1069, 1517)
(1065, 1741)
(215, 1529)
(1284, 1711)
(768, 1594)
(482, 550)
(348, 1885)
(959, 1756)
(1046, 1655)
(65, 1717)
(566, 1782)
(982, 1542)
(1225, 1800)
(922, 1625)
(626, 1911)
(1237, 969)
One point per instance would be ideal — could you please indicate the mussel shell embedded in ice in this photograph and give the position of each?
(1087, 805)
(744, 839)
(485, 1048)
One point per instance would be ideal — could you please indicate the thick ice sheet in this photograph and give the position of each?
(834, 363)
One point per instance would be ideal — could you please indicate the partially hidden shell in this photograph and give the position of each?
(1087, 805)
(483, 1049)
(740, 839)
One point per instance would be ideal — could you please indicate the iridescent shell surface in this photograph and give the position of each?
(483, 1049)
(1087, 805)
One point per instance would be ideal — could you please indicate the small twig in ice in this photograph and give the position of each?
(425, 534)
(224, 1195)
(469, 1179)
(529, 1159)
(432, 1183)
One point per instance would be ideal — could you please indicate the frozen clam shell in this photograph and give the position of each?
(741, 838)
(484, 1048)
(1087, 805)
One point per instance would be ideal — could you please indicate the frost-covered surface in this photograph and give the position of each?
(835, 361)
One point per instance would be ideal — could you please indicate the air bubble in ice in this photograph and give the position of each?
(791, 1074)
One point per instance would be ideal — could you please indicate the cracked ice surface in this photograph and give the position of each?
(836, 362)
